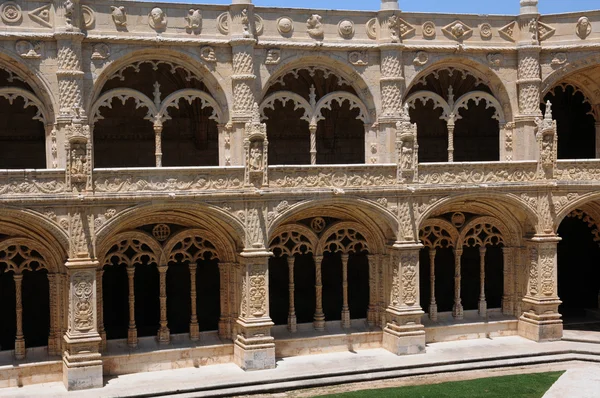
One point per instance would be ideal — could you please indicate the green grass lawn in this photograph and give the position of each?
(517, 386)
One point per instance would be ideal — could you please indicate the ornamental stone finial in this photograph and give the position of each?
(529, 7)
(387, 5)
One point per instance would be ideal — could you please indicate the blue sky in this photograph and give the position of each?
(452, 6)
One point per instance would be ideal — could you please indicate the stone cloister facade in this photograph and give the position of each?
(185, 185)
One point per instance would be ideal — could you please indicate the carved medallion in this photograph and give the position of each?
(89, 17)
(457, 30)
(583, 28)
(161, 232)
(485, 31)
(346, 29)
(208, 54)
(429, 30)
(41, 15)
(273, 56)
(285, 26)
(29, 50)
(10, 12)
(558, 59)
(100, 51)
(421, 58)
(371, 28)
(223, 23)
(318, 224)
(508, 31)
(358, 58)
(157, 19)
(495, 60)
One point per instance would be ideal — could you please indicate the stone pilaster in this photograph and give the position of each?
(404, 333)
(540, 320)
(528, 82)
(254, 348)
(82, 362)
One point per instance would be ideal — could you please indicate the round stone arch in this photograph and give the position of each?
(313, 239)
(568, 69)
(42, 89)
(519, 218)
(479, 70)
(213, 80)
(361, 211)
(228, 228)
(48, 235)
(588, 203)
(495, 222)
(337, 64)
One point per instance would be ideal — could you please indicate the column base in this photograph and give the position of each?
(433, 312)
(82, 363)
(546, 327)
(346, 324)
(404, 334)
(457, 311)
(194, 331)
(132, 339)
(482, 308)
(254, 353)
(292, 323)
(319, 322)
(164, 335)
(20, 348)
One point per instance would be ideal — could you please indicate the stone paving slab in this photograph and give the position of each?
(227, 379)
(581, 382)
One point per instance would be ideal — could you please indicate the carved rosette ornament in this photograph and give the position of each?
(407, 148)
(256, 148)
(547, 139)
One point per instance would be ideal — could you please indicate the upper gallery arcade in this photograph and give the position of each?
(233, 176)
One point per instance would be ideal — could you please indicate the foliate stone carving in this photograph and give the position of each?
(533, 272)
(223, 23)
(428, 30)
(83, 301)
(157, 19)
(257, 290)
(253, 228)
(358, 58)
(485, 31)
(547, 255)
(544, 31)
(583, 28)
(29, 50)
(561, 201)
(208, 54)
(451, 174)
(508, 31)
(194, 21)
(351, 176)
(279, 209)
(89, 18)
(406, 147)
(78, 237)
(285, 26)
(495, 60)
(409, 263)
(103, 217)
(458, 30)
(399, 28)
(10, 12)
(100, 51)
(119, 16)
(273, 56)
(314, 26)
(371, 28)
(421, 58)
(346, 29)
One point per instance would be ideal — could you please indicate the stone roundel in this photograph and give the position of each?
(429, 30)
(485, 31)
(10, 12)
(346, 29)
(285, 25)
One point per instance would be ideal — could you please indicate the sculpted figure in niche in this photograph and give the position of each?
(157, 19)
(256, 156)
(245, 23)
(69, 9)
(584, 27)
(407, 155)
(78, 160)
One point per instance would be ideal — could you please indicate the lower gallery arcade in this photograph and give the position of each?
(174, 290)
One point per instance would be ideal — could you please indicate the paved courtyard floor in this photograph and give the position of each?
(377, 368)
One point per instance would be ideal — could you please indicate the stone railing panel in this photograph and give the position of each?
(477, 172)
(344, 176)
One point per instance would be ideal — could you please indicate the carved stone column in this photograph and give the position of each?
(82, 362)
(319, 321)
(482, 304)
(528, 82)
(372, 311)
(224, 294)
(158, 128)
(164, 336)
(194, 327)
(540, 320)
(132, 339)
(19, 338)
(433, 312)
(313, 143)
(345, 307)
(253, 347)
(509, 281)
(457, 309)
(100, 307)
(597, 125)
(54, 337)
(451, 124)
(404, 333)
(291, 289)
